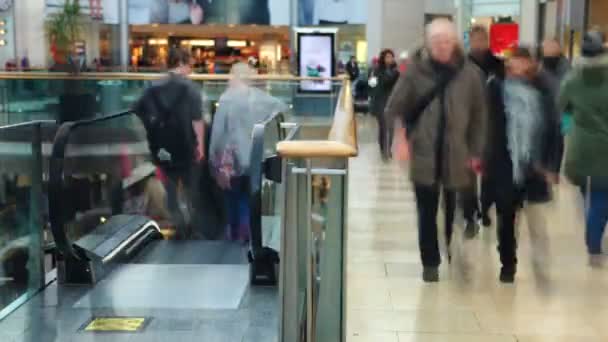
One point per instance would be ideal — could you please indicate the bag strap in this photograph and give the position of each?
(426, 100)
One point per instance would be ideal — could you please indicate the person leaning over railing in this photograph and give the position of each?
(585, 90)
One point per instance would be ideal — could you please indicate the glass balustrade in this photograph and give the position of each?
(50, 96)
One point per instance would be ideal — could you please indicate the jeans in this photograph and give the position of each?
(236, 201)
(188, 181)
(596, 218)
(237, 205)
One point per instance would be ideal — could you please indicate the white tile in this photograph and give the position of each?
(556, 296)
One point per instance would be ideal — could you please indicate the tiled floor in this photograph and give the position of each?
(557, 296)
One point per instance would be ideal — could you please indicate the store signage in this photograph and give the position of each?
(316, 59)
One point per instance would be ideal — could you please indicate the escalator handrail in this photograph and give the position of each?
(56, 182)
(257, 148)
(256, 177)
(28, 123)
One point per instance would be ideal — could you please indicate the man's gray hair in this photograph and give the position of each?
(441, 26)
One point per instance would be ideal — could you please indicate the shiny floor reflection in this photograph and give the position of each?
(556, 296)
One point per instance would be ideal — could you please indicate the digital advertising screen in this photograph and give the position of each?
(316, 59)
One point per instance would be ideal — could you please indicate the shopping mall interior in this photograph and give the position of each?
(298, 215)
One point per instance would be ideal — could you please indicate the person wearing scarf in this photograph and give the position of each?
(525, 136)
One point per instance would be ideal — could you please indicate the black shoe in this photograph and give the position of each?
(471, 229)
(486, 220)
(430, 274)
(507, 276)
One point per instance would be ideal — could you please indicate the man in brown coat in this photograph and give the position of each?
(442, 102)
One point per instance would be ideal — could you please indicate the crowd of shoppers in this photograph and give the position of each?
(479, 116)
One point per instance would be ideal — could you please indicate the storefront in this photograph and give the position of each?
(214, 47)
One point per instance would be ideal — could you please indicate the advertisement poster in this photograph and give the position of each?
(316, 59)
(331, 12)
(198, 12)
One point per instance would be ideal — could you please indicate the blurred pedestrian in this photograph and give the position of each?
(353, 71)
(523, 151)
(171, 111)
(585, 91)
(386, 75)
(554, 67)
(240, 107)
(441, 101)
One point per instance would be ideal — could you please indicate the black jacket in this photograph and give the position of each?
(387, 78)
(499, 167)
(353, 70)
(179, 98)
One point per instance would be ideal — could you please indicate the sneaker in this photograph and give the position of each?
(430, 274)
(507, 276)
(471, 229)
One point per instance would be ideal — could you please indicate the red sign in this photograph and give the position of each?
(503, 37)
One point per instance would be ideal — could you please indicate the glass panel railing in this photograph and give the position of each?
(49, 96)
(23, 212)
(107, 169)
(100, 159)
(313, 280)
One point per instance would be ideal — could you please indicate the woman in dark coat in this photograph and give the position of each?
(382, 81)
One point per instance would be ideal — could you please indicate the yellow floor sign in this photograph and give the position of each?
(119, 324)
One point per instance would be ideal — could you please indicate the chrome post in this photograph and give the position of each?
(289, 265)
(310, 281)
(344, 227)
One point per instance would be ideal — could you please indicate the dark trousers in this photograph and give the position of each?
(385, 135)
(468, 202)
(427, 202)
(488, 194)
(507, 205)
(188, 181)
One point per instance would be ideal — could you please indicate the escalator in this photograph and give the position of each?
(128, 256)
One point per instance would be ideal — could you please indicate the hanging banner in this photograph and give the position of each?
(197, 12)
(331, 12)
(193, 12)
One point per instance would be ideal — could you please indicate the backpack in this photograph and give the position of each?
(170, 137)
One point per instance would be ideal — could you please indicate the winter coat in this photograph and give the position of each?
(387, 78)
(464, 108)
(585, 90)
